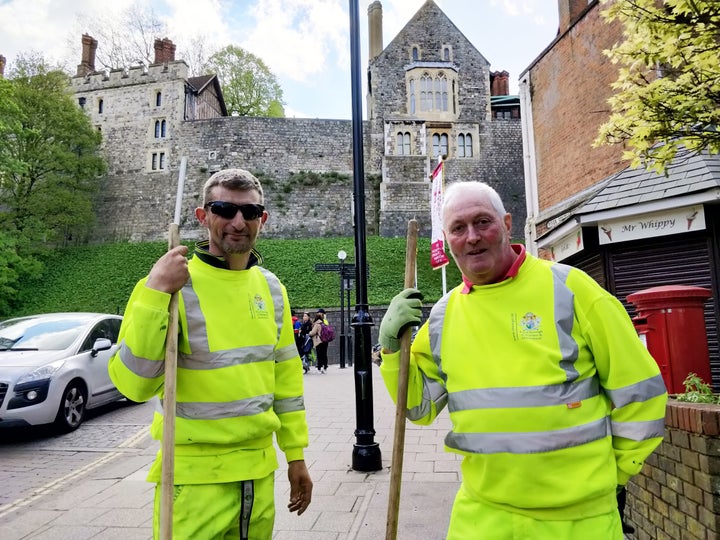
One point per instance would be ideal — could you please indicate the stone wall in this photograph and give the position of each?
(677, 494)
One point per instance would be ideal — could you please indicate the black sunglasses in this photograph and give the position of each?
(228, 210)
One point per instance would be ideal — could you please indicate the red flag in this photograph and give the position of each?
(438, 258)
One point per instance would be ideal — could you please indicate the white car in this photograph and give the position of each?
(54, 366)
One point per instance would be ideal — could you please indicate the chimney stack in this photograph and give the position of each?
(164, 51)
(87, 64)
(569, 12)
(499, 83)
(375, 35)
(2, 66)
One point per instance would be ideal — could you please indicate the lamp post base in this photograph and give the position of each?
(366, 457)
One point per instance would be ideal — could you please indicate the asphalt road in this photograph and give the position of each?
(35, 461)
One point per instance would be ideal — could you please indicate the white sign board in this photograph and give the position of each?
(656, 224)
(568, 245)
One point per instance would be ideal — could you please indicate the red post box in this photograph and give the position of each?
(671, 322)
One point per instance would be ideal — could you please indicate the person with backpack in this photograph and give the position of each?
(321, 346)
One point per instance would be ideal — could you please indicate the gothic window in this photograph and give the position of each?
(158, 98)
(426, 92)
(160, 129)
(465, 145)
(440, 144)
(446, 54)
(403, 144)
(101, 103)
(441, 92)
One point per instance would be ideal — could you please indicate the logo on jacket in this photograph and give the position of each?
(259, 307)
(528, 327)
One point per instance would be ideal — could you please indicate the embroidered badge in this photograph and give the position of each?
(259, 308)
(529, 327)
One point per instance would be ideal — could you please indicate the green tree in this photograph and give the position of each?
(50, 168)
(248, 85)
(667, 94)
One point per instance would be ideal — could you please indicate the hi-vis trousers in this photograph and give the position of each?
(232, 511)
(473, 520)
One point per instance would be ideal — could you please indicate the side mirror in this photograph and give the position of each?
(101, 344)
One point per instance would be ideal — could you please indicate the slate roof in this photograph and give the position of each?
(689, 173)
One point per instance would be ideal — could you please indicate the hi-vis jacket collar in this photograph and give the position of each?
(511, 273)
(203, 252)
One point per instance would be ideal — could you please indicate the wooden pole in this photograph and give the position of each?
(169, 398)
(401, 404)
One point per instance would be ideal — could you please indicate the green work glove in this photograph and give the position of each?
(404, 310)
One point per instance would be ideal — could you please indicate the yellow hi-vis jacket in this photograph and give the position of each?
(553, 398)
(239, 377)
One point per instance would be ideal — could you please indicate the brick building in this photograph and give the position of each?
(630, 229)
(430, 93)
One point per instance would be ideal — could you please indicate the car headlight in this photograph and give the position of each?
(43, 372)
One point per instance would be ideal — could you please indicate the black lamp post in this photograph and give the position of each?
(366, 452)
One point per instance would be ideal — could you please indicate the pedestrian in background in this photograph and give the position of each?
(321, 347)
(239, 377)
(554, 401)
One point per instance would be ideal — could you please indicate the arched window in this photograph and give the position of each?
(415, 54)
(440, 144)
(158, 98)
(465, 145)
(163, 127)
(446, 54)
(426, 92)
(403, 144)
(157, 129)
(441, 93)
(100, 106)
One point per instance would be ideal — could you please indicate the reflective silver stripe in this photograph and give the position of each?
(291, 404)
(142, 367)
(197, 327)
(228, 409)
(639, 431)
(435, 328)
(528, 442)
(524, 396)
(563, 299)
(247, 490)
(638, 392)
(286, 353)
(200, 360)
(276, 294)
(433, 392)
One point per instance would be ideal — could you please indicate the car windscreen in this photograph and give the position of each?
(39, 334)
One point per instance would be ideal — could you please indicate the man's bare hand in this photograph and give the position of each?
(300, 487)
(170, 272)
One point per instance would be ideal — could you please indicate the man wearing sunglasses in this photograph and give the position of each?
(239, 376)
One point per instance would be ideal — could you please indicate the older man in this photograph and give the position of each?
(554, 401)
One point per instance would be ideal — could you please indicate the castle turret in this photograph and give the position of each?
(375, 37)
(87, 64)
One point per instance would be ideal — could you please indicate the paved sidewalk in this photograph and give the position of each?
(109, 498)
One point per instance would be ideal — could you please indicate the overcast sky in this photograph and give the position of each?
(305, 43)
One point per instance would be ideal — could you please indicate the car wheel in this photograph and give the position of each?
(72, 407)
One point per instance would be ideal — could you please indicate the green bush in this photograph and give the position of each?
(101, 278)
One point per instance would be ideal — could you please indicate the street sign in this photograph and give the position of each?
(347, 270)
(332, 267)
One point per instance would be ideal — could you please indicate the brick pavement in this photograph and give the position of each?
(108, 497)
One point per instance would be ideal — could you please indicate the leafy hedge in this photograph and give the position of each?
(100, 278)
